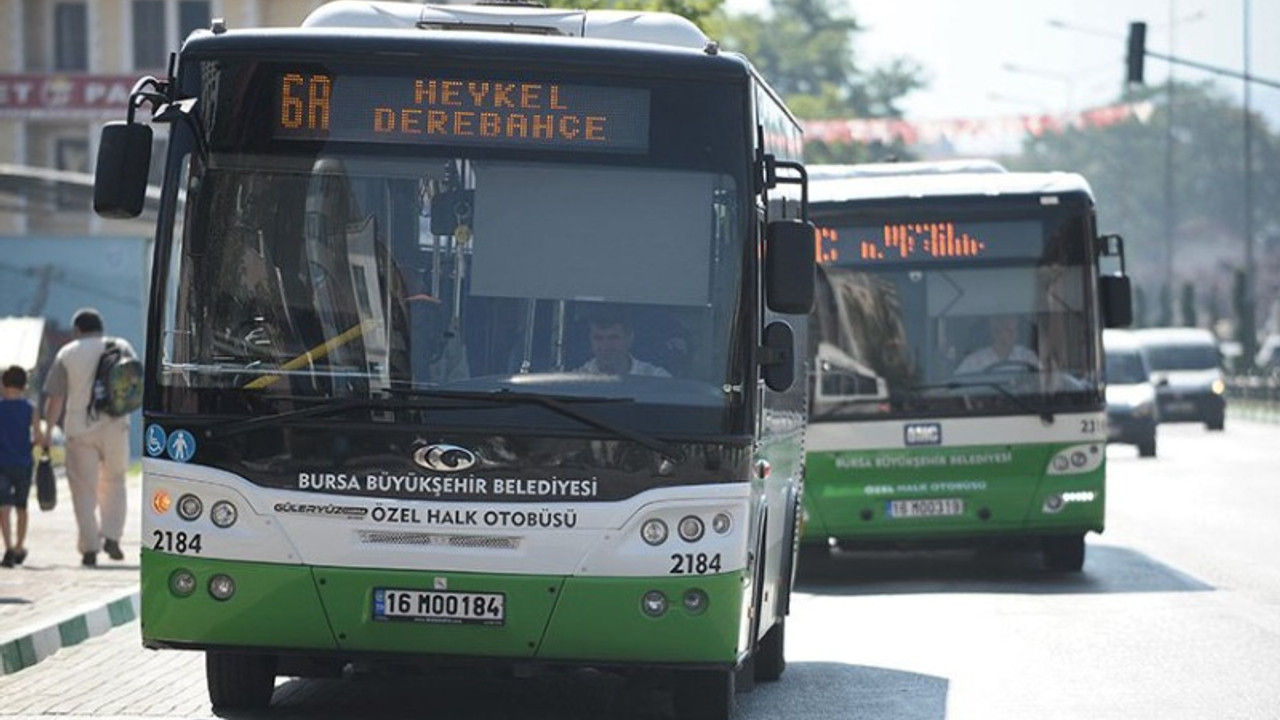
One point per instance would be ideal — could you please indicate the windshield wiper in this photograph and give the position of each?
(414, 399)
(1044, 414)
(560, 404)
(323, 406)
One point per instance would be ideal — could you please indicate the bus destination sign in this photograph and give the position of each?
(461, 111)
(929, 241)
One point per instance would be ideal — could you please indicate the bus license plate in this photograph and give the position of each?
(436, 606)
(931, 507)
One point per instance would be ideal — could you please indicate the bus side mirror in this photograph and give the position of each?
(120, 176)
(778, 356)
(1117, 300)
(789, 266)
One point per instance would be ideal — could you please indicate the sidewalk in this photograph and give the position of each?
(51, 601)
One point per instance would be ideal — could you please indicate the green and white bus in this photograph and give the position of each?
(389, 242)
(957, 376)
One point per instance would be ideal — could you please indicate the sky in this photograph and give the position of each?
(985, 58)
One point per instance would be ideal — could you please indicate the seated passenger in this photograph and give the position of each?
(1004, 348)
(611, 340)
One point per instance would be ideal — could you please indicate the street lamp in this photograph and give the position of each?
(1038, 104)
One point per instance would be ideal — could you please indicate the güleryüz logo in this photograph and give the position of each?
(444, 458)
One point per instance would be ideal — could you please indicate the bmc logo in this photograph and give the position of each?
(922, 434)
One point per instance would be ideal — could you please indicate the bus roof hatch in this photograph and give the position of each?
(658, 28)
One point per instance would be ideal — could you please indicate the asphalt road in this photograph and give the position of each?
(1176, 615)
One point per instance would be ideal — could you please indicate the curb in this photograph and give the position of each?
(30, 647)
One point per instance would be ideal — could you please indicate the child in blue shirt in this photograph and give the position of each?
(19, 431)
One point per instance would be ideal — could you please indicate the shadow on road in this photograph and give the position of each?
(825, 690)
(817, 690)
(1107, 569)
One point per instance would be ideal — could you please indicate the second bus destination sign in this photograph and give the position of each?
(457, 111)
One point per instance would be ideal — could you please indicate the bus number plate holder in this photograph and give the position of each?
(923, 508)
(438, 606)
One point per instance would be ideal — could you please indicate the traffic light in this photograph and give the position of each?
(1137, 52)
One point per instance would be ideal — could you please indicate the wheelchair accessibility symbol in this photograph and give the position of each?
(156, 440)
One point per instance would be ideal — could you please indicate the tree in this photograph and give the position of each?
(1190, 318)
(1126, 166)
(805, 49)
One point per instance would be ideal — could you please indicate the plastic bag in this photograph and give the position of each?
(46, 484)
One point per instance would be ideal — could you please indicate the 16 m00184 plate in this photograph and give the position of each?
(439, 606)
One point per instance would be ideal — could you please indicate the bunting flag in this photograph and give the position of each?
(961, 130)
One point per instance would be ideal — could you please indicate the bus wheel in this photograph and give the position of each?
(769, 658)
(813, 556)
(704, 695)
(1147, 447)
(1064, 553)
(240, 681)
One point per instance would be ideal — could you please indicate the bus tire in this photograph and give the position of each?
(1147, 447)
(240, 681)
(1064, 553)
(770, 658)
(705, 694)
(813, 556)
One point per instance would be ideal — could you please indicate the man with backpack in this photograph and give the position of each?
(97, 451)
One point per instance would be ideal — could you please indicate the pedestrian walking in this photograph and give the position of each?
(19, 432)
(97, 451)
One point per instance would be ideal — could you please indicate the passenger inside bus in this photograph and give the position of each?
(1004, 353)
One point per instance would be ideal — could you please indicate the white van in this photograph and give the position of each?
(1132, 408)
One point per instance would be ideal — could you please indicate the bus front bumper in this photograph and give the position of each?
(297, 608)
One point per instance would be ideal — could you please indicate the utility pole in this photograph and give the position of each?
(1247, 335)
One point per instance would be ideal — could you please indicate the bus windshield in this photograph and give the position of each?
(352, 275)
(942, 333)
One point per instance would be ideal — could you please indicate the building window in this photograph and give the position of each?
(70, 36)
(192, 15)
(149, 46)
(71, 154)
(160, 26)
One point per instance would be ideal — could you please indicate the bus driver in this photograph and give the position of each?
(1003, 350)
(611, 340)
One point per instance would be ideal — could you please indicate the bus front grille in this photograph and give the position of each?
(486, 542)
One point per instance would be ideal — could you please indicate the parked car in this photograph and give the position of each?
(1187, 370)
(1132, 409)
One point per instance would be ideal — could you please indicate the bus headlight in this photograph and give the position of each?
(189, 507)
(654, 603)
(182, 583)
(721, 523)
(1053, 503)
(654, 531)
(690, 528)
(696, 601)
(223, 514)
(222, 587)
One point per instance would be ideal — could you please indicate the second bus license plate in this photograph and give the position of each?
(929, 507)
(439, 606)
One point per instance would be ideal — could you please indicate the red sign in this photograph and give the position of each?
(33, 96)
